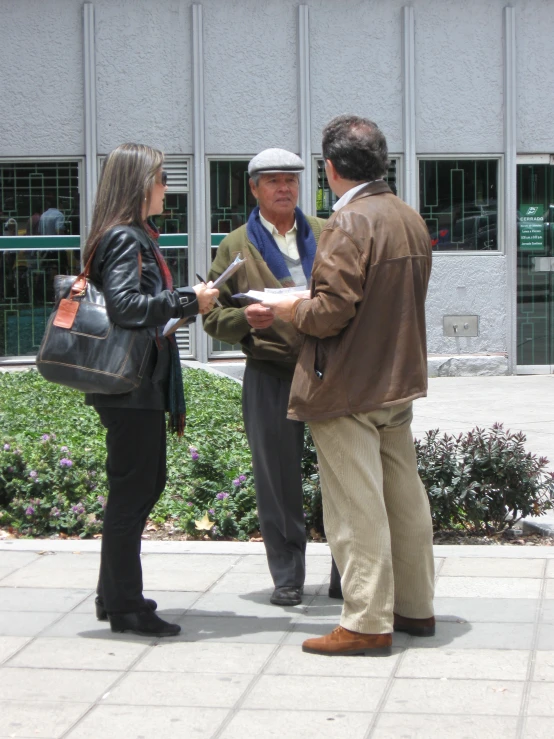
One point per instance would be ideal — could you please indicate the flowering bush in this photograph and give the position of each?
(53, 480)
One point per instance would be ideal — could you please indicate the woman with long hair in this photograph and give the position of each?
(129, 267)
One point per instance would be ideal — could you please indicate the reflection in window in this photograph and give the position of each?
(326, 198)
(39, 199)
(458, 200)
(174, 219)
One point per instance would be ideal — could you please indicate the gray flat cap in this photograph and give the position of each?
(275, 160)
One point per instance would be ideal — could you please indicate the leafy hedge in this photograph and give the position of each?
(53, 480)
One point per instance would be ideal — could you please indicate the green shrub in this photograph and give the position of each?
(53, 480)
(483, 481)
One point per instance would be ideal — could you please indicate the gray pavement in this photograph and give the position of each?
(237, 668)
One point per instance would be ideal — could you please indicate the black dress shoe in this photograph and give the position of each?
(287, 596)
(102, 615)
(143, 623)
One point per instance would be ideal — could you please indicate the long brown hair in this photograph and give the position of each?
(125, 186)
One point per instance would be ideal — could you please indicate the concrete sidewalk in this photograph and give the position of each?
(237, 668)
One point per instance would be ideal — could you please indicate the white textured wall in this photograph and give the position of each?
(467, 285)
(250, 75)
(535, 75)
(41, 73)
(355, 58)
(143, 59)
(459, 75)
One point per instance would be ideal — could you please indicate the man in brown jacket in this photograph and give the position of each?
(362, 364)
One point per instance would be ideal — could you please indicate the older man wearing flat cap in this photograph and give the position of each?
(279, 244)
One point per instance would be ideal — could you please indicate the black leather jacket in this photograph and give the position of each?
(135, 300)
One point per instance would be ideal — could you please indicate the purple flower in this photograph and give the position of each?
(212, 511)
(78, 509)
(222, 496)
(33, 474)
(64, 449)
(65, 462)
(189, 503)
(29, 511)
(93, 473)
(100, 499)
(236, 482)
(7, 447)
(45, 437)
(55, 512)
(194, 456)
(215, 530)
(242, 478)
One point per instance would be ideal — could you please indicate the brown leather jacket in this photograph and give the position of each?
(365, 345)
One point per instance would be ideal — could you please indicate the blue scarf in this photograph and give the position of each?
(272, 255)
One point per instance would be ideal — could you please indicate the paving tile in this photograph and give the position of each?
(10, 644)
(4, 572)
(545, 638)
(549, 590)
(513, 610)
(493, 567)
(49, 719)
(14, 560)
(323, 607)
(178, 572)
(314, 693)
(40, 599)
(290, 660)
(547, 613)
(455, 697)
(473, 664)
(541, 699)
(169, 601)
(245, 659)
(28, 623)
(77, 686)
(479, 636)
(179, 689)
(270, 724)
(234, 629)
(62, 570)
(544, 666)
(549, 568)
(538, 728)
(148, 722)
(243, 604)
(257, 564)
(89, 654)
(488, 587)
(410, 726)
(236, 582)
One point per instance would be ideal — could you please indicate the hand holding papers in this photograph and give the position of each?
(175, 323)
(280, 301)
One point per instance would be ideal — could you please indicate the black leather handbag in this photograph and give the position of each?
(83, 349)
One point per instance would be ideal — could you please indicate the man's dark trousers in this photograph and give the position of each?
(277, 446)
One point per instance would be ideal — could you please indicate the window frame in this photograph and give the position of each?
(500, 201)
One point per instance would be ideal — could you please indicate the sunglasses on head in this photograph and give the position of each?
(163, 178)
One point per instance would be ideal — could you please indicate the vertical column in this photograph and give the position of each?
(304, 109)
(408, 111)
(90, 113)
(199, 249)
(510, 184)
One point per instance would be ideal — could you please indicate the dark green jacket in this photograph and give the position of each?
(273, 350)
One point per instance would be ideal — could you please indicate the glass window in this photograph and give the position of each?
(231, 202)
(325, 198)
(458, 199)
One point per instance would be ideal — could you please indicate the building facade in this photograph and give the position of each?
(454, 86)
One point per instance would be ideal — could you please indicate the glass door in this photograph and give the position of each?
(535, 265)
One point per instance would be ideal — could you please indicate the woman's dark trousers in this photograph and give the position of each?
(136, 468)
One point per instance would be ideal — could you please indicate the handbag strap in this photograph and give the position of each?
(79, 286)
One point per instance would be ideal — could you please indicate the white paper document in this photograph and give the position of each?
(272, 295)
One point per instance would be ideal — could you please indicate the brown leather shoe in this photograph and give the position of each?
(343, 642)
(415, 626)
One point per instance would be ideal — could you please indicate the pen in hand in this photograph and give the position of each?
(203, 281)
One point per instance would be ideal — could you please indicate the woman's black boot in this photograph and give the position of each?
(143, 623)
(102, 615)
